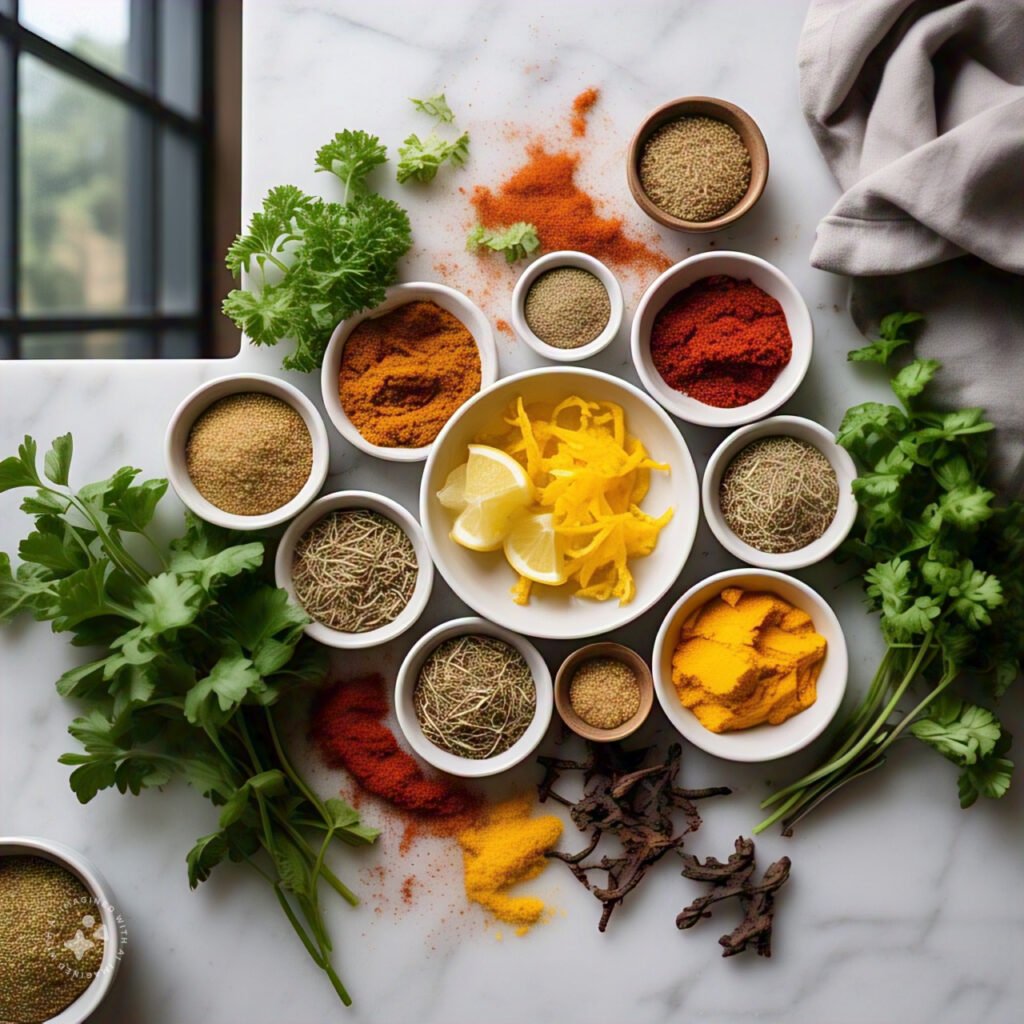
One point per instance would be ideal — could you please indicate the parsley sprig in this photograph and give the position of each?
(193, 655)
(421, 159)
(309, 262)
(943, 566)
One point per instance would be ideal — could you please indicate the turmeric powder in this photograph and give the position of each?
(505, 847)
(405, 372)
(744, 659)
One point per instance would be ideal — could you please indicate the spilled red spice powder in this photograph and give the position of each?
(581, 106)
(721, 341)
(504, 326)
(407, 887)
(349, 731)
(543, 192)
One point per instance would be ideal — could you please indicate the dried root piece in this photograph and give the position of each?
(733, 879)
(632, 803)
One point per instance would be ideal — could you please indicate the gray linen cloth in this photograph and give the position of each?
(918, 107)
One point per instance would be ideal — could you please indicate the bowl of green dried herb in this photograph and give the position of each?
(473, 699)
(62, 939)
(779, 493)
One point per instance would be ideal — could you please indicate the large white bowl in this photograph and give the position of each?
(579, 261)
(382, 506)
(803, 430)
(105, 910)
(743, 267)
(195, 404)
(398, 295)
(762, 742)
(483, 579)
(452, 763)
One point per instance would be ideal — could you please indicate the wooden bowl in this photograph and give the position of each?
(694, 106)
(603, 650)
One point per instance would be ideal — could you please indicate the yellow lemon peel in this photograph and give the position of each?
(591, 476)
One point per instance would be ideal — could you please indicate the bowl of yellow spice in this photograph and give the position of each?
(393, 376)
(750, 665)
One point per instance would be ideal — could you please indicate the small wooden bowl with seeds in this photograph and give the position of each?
(697, 164)
(604, 692)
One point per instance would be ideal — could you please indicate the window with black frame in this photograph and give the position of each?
(108, 233)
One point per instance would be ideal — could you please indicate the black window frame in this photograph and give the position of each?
(145, 197)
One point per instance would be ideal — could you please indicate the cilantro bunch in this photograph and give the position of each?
(186, 664)
(944, 568)
(311, 263)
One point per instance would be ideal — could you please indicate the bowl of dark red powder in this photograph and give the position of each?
(722, 339)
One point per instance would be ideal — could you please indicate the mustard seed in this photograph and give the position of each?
(604, 692)
(249, 454)
(695, 168)
(567, 307)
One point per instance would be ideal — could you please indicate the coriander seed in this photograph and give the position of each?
(695, 168)
(567, 307)
(249, 454)
(604, 692)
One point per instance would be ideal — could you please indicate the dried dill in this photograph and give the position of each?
(779, 494)
(475, 696)
(354, 570)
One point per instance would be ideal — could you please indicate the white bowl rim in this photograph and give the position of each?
(802, 429)
(582, 261)
(452, 764)
(630, 612)
(402, 517)
(85, 1005)
(398, 295)
(738, 745)
(698, 413)
(193, 405)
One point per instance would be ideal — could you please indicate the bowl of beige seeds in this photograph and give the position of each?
(247, 451)
(697, 164)
(567, 306)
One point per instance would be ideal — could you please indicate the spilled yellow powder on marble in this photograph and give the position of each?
(506, 847)
(744, 659)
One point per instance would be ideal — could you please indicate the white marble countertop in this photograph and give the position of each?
(901, 907)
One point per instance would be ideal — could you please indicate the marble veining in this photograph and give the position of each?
(901, 908)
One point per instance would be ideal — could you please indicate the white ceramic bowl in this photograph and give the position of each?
(581, 261)
(483, 579)
(743, 267)
(387, 508)
(451, 763)
(398, 295)
(803, 430)
(105, 910)
(193, 405)
(762, 742)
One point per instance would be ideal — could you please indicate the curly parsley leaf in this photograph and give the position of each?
(892, 337)
(516, 241)
(421, 159)
(436, 107)
(351, 156)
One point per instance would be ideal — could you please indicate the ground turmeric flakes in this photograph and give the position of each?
(746, 658)
(405, 372)
(505, 847)
(543, 192)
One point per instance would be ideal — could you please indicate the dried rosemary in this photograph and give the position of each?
(354, 570)
(779, 494)
(475, 696)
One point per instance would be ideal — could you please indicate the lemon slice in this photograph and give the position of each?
(495, 490)
(453, 494)
(534, 550)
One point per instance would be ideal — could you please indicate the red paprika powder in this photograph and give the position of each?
(349, 732)
(721, 341)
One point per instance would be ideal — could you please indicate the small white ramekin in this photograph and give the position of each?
(580, 261)
(743, 267)
(398, 295)
(389, 509)
(33, 846)
(761, 742)
(451, 763)
(803, 430)
(195, 404)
